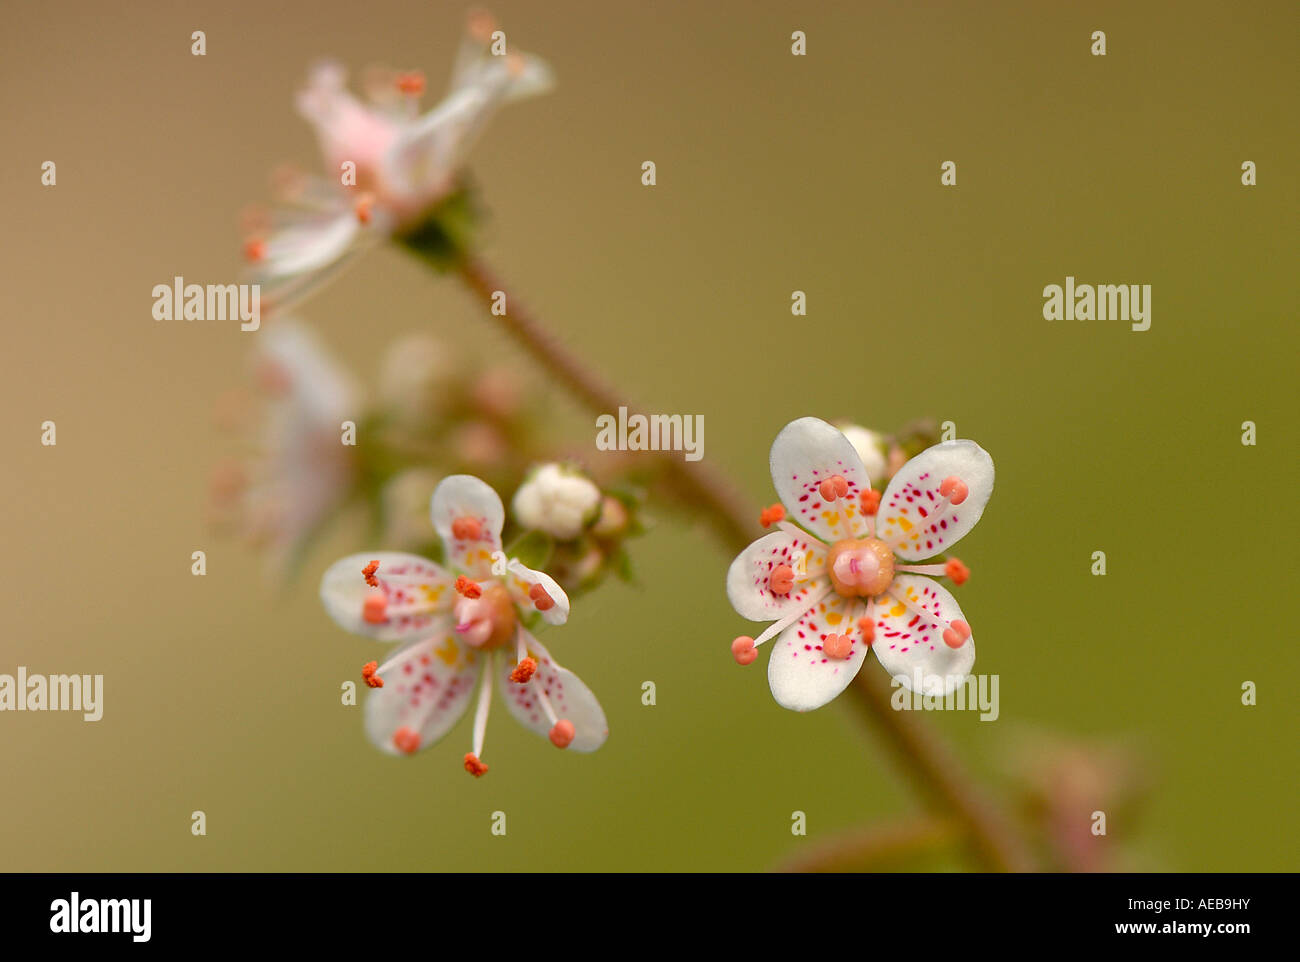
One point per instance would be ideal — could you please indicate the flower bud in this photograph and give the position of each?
(557, 500)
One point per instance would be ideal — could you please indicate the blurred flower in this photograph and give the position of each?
(405, 162)
(557, 500)
(302, 470)
(837, 589)
(460, 628)
(1064, 782)
(870, 447)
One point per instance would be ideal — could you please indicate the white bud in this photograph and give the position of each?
(556, 500)
(870, 447)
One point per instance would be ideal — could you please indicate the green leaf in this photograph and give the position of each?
(533, 548)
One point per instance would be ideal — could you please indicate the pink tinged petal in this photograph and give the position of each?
(749, 580)
(801, 674)
(428, 686)
(915, 518)
(462, 497)
(345, 127)
(417, 596)
(569, 699)
(907, 642)
(806, 453)
(526, 585)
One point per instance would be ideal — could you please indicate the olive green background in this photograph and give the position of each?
(775, 173)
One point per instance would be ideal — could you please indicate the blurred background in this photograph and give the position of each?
(775, 173)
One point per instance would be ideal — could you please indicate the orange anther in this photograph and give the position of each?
(466, 529)
(541, 600)
(837, 646)
(368, 673)
(955, 636)
(771, 515)
(474, 766)
(406, 740)
(868, 629)
(374, 610)
(781, 580)
(470, 589)
(833, 487)
(562, 733)
(743, 650)
(411, 82)
(523, 671)
(870, 501)
(254, 250)
(956, 571)
(364, 208)
(481, 24)
(368, 572)
(954, 489)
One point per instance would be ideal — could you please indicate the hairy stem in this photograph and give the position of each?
(918, 748)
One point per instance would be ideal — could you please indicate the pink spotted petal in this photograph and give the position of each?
(520, 582)
(569, 697)
(806, 453)
(904, 519)
(801, 676)
(418, 594)
(426, 689)
(749, 578)
(907, 643)
(465, 496)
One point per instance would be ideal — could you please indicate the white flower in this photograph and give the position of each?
(869, 445)
(404, 161)
(558, 501)
(838, 585)
(302, 471)
(461, 629)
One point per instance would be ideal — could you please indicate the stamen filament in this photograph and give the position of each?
(481, 712)
(777, 627)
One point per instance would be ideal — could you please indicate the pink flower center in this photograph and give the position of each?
(861, 568)
(487, 621)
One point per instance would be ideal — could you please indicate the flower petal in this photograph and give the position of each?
(569, 697)
(913, 495)
(906, 643)
(463, 496)
(428, 685)
(521, 586)
(806, 453)
(748, 579)
(802, 678)
(416, 590)
(309, 245)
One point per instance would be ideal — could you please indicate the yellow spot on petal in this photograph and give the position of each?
(834, 618)
(904, 524)
(448, 650)
(897, 610)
